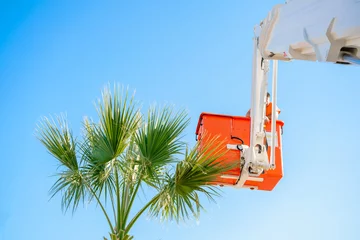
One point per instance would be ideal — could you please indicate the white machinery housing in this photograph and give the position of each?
(309, 30)
(312, 30)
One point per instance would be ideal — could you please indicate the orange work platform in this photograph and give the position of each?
(234, 130)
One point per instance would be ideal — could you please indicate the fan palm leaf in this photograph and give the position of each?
(180, 194)
(58, 139)
(158, 141)
(107, 140)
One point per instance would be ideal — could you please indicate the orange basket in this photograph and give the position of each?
(236, 130)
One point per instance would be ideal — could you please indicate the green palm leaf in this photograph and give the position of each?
(118, 121)
(58, 139)
(158, 141)
(106, 141)
(180, 194)
(98, 169)
(72, 184)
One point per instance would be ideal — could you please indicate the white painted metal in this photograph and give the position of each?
(255, 93)
(273, 114)
(256, 154)
(255, 96)
(232, 146)
(229, 176)
(312, 30)
(263, 90)
(269, 141)
(258, 159)
(255, 179)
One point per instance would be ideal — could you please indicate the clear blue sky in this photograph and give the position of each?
(56, 56)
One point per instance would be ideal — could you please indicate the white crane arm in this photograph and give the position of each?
(312, 30)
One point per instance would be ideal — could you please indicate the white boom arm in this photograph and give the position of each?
(310, 30)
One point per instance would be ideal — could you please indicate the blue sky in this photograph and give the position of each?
(56, 56)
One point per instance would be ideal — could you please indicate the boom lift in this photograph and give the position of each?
(309, 30)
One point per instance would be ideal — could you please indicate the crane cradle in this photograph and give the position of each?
(234, 132)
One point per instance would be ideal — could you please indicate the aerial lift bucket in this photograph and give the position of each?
(235, 131)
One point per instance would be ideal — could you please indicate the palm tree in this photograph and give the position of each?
(126, 150)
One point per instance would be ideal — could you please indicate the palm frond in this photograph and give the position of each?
(193, 175)
(74, 189)
(107, 140)
(118, 121)
(97, 168)
(59, 141)
(158, 141)
(129, 164)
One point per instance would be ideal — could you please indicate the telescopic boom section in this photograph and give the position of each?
(255, 155)
(312, 30)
